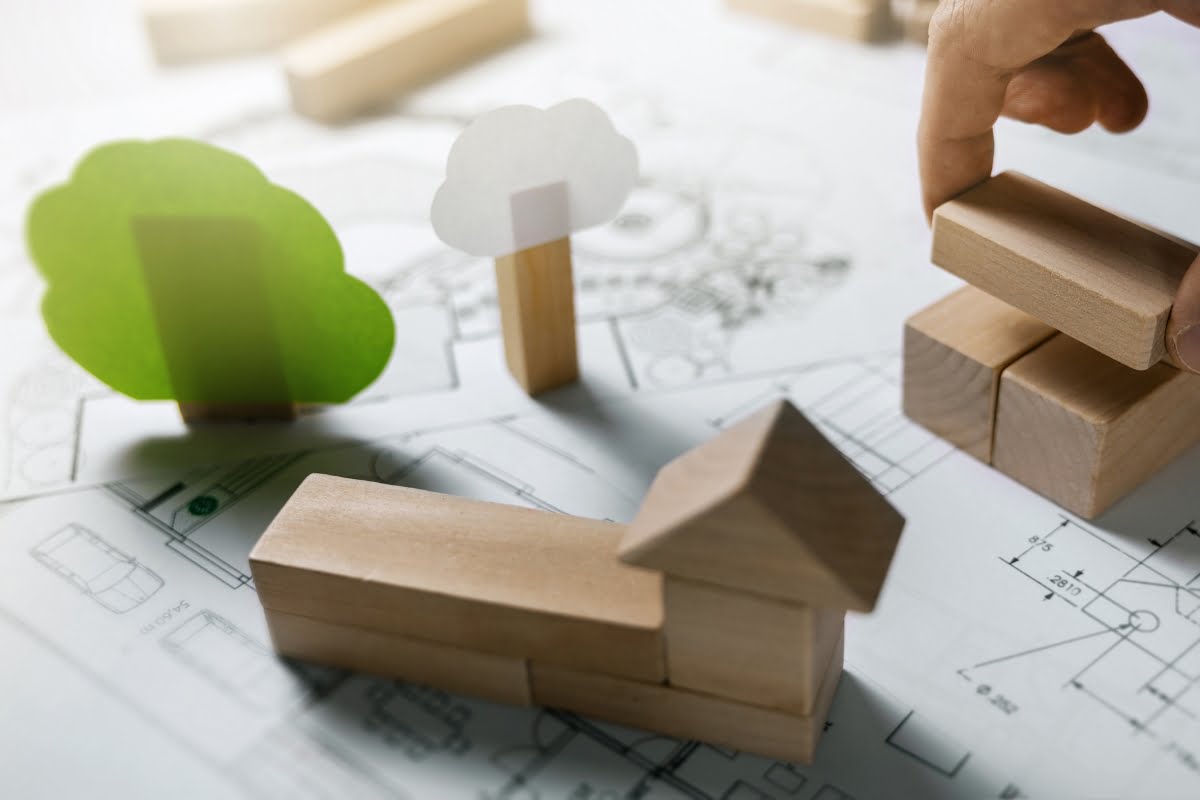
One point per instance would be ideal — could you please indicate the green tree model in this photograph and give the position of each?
(177, 271)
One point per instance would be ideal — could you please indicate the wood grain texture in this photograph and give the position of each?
(1091, 274)
(769, 507)
(858, 20)
(454, 669)
(747, 647)
(536, 292)
(690, 715)
(954, 352)
(383, 50)
(482, 576)
(1084, 430)
(184, 30)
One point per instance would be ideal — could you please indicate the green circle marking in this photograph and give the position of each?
(203, 505)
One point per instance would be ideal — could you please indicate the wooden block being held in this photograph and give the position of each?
(747, 647)
(497, 678)
(182, 30)
(954, 352)
(690, 715)
(480, 576)
(858, 20)
(1095, 276)
(1084, 430)
(769, 507)
(392, 47)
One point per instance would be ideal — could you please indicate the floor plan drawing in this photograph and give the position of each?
(772, 249)
(103, 573)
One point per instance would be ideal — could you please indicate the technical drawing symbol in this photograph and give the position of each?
(217, 649)
(928, 746)
(418, 720)
(100, 571)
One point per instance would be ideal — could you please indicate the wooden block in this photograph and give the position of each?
(492, 677)
(201, 413)
(689, 715)
(747, 647)
(535, 289)
(183, 30)
(858, 20)
(769, 507)
(1091, 274)
(392, 47)
(481, 576)
(954, 352)
(1083, 430)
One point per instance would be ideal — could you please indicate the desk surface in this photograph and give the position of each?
(773, 248)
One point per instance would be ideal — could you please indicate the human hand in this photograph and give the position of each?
(1037, 61)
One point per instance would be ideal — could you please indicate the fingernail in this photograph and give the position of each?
(1187, 347)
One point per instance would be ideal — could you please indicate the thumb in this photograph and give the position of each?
(1183, 328)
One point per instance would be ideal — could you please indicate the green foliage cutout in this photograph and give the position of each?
(177, 271)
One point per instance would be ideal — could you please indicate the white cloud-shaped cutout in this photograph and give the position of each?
(538, 155)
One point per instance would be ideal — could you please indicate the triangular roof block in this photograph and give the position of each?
(770, 507)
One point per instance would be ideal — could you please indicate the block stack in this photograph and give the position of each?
(1049, 366)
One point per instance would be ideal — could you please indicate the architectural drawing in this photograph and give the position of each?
(97, 569)
(1139, 658)
(222, 653)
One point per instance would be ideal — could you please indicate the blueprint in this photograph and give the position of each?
(772, 249)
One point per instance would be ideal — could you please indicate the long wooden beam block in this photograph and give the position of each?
(1095, 276)
(1084, 430)
(370, 56)
(500, 679)
(487, 577)
(183, 30)
(954, 353)
(690, 715)
(857, 20)
(746, 647)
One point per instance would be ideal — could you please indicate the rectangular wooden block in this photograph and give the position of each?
(954, 352)
(746, 647)
(1083, 430)
(687, 714)
(182, 30)
(497, 678)
(386, 49)
(1091, 274)
(489, 577)
(536, 292)
(858, 20)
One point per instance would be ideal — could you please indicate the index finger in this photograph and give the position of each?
(975, 49)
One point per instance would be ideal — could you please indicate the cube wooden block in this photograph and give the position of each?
(687, 714)
(858, 20)
(481, 576)
(1095, 276)
(954, 353)
(500, 679)
(1084, 430)
(182, 30)
(769, 507)
(386, 49)
(747, 647)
